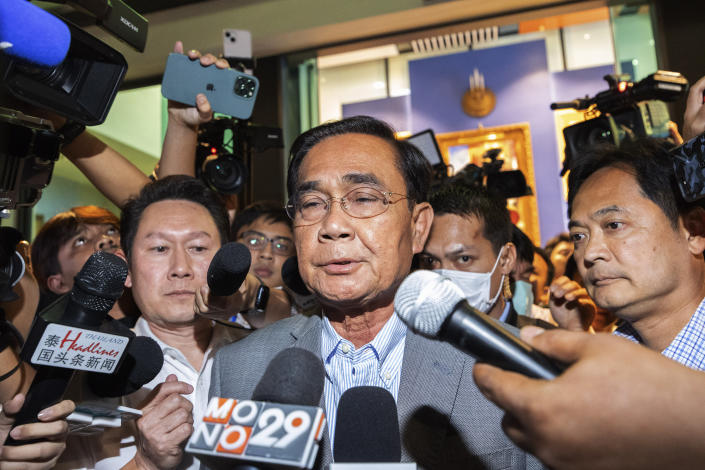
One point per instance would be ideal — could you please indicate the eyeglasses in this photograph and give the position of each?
(361, 203)
(257, 241)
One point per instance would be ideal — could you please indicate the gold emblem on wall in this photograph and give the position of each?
(478, 101)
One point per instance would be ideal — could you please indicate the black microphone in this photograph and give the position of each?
(97, 286)
(304, 300)
(142, 362)
(295, 376)
(292, 277)
(434, 306)
(284, 420)
(228, 269)
(367, 427)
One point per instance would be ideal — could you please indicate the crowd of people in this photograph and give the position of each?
(359, 218)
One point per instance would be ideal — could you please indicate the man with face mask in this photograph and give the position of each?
(471, 243)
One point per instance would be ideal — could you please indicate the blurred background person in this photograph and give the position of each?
(559, 249)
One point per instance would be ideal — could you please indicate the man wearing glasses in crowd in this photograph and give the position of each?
(358, 204)
(266, 230)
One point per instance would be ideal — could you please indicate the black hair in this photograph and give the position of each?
(268, 210)
(551, 269)
(524, 245)
(414, 168)
(647, 159)
(175, 187)
(57, 231)
(459, 199)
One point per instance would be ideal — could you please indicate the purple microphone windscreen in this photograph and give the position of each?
(229, 268)
(367, 427)
(292, 277)
(295, 376)
(31, 34)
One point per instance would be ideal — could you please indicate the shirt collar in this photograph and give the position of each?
(388, 337)
(221, 336)
(505, 313)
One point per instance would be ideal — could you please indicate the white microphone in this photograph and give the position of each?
(432, 305)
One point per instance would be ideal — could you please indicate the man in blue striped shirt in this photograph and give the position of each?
(358, 201)
(639, 247)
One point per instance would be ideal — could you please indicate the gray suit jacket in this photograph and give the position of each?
(445, 422)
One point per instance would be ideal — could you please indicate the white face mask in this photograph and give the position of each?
(476, 286)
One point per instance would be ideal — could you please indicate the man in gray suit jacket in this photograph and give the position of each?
(354, 255)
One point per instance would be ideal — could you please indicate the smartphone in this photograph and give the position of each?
(228, 91)
(237, 43)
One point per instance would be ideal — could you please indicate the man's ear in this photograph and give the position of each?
(694, 225)
(128, 279)
(421, 220)
(508, 259)
(55, 283)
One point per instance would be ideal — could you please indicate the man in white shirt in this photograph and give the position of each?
(169, 233)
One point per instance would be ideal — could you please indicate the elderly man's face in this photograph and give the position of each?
(350, 262)
(626, 249)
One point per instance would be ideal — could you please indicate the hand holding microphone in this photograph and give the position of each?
(229, 285)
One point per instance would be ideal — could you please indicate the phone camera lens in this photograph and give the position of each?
(245, 87)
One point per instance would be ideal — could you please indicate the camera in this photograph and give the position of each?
(624, 111)
(224, 149)
(504, 184)
(29, 147)
(53, 65)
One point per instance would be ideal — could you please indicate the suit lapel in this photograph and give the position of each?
(430, 376)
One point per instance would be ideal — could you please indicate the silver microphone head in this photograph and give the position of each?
(425, 299)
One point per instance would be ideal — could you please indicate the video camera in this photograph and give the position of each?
(53, 65)
(225, 149)
(624, 111)
(505, 184)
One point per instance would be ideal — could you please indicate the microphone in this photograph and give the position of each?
(432, 305)
(280, 426)
(31, 34)
(292, 277)
(303, 299)
(228, 269)
(295, 376)
(61, 349)
(142, 362)
(367, 427)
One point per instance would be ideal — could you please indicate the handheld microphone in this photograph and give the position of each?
(96, 288)
(367, 427)
(142, 362)
(228, 269)
(280, 426)
(434, 306)
(292, 277)
(303, 299)
(31, 34)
